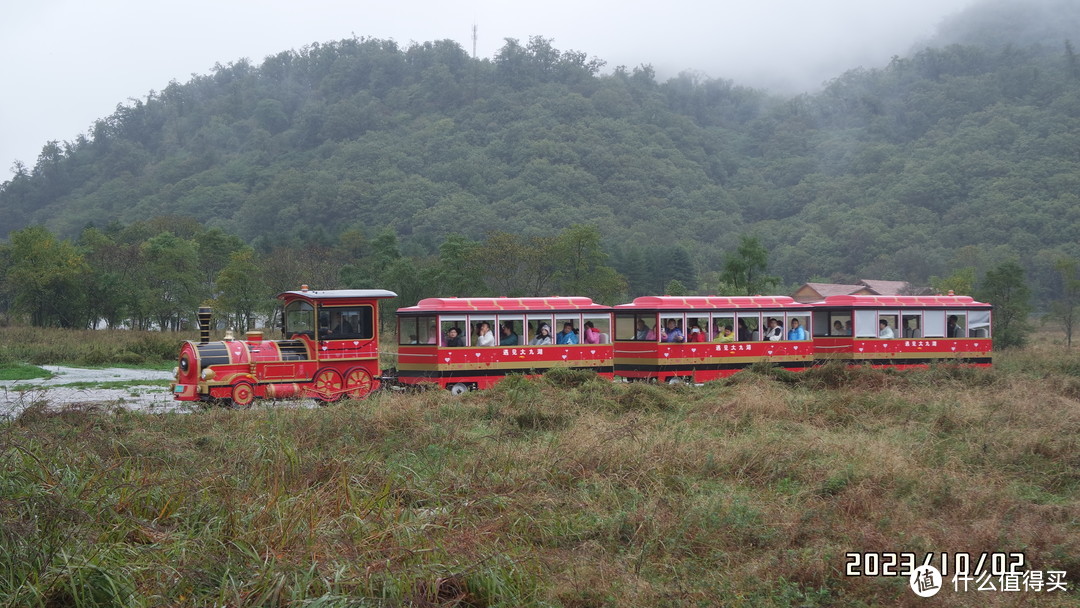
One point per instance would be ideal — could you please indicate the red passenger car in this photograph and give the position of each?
(903, 331)
(702, 338)
(331, 351)
(470, 343)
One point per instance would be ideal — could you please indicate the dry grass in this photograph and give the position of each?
(563, 491)
(51, 346)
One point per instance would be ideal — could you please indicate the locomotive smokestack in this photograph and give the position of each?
(204, 324)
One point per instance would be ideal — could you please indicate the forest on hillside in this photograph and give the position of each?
(957, 156)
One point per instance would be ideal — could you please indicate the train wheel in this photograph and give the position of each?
(676, 380)
(243, 394)
(459, 389)
(358, 383)
(328, 386)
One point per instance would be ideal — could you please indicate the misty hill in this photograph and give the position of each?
(958, 155)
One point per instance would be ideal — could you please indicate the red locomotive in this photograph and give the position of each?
(331, 351)
(470, 343)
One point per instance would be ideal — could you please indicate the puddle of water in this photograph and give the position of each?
(151, 399)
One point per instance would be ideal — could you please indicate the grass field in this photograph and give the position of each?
(89, 348)
(565, 491)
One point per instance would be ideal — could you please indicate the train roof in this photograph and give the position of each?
(336, 294)
(448, 305)
(711, 302)
(874, 301)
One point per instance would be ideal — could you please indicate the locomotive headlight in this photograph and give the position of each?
(184, 363)
(207, 374)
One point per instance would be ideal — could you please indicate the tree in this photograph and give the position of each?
(960, 282)
(675, 288)
(114, 281)
(45, 278)
(1005, 288)
(172, 277)
(243, 294)
(1066, 307)
(512, 265)
(455, 275)
(744, 271)
(581, 269)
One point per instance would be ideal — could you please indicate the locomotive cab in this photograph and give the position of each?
(329, 350)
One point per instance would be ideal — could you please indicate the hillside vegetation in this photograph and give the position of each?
(958, 155)
(566, 491)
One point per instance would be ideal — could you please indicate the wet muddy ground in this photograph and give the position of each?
(58, 392)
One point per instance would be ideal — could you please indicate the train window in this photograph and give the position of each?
(749, 326)
(346, 323)
(417, 330)
(601, 324)
(511, 331)
(933, 324)
(802, 320)
(299, 319)
(911, 325)
(866, 324)
(979, 324)
(535, 323)
(483, 331)
(456, 323)
(559, 328)
(822, 324)
(625, 326)
(844, 321)
(892, 324)
(407, 330)
(720, 321)
(427, 330)
(956, 325)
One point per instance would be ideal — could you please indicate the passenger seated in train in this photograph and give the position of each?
(644, 332)
(590, 335)
(567, 335)
(725, 335)
(543, 336)
(774, 332)
(342, 328)
(484, 337)
(745, 335)
(953, 329)
(672, 333)
(886, 331)
(796, 332)
(509, 338)
(838, 329)
(695, 334)
(453, 337)
(912, 331)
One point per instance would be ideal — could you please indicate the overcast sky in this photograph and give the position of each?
(68, 63)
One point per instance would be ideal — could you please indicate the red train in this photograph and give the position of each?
(330, 348)
(330, 351)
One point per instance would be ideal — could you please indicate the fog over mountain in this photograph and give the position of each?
(78, 60)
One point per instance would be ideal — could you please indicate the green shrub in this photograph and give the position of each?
(644, 397)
